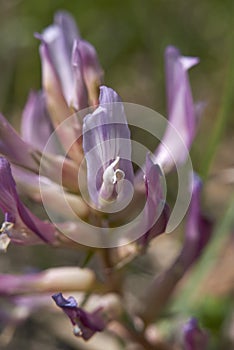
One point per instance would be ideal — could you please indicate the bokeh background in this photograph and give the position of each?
(130, 37)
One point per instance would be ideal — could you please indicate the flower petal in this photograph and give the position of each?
(198, 232)
(68, 26)
(198, 227)
(194, 337)
(26, 225)
(70, 131)
(157, 210)
(70, 278)
(85, 324)
(36, 127)
(92, 71)
(181, 111)
(59, 39)
(14, 148)
(56, 103)
(107, 147)
(43, 190)
(59, 51)
(80, 99)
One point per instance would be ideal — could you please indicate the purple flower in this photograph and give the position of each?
(194, 337)
(36, 126)
(14, 148)
(107, 148)
(85, 324)
(58, 40)
(17, 284)
(91, 69)
(181, 111)
(58, 108)
(198, 229)
(20, 225)
(41, 189)
(80, 91)
(47, 281)
(157, 210)
(71, 75)
(70, 65)
(198, 232)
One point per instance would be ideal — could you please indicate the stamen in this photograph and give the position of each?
(4, 238)
(111, 175)
(77, 331)
(111, 185)
(6, 226)
(118, 175)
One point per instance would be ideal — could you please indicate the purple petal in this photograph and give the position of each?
(198, 229)
(176, 75)
(14, 148)
(36, 127)
(80, 99)
(62, 170)
(59, 51)
(194, 337)
(41, 190)
(108, 96)
(85, 324)
(16, 284)
(26, 226)
(56, 103)
(181, 110)
(107, 147)
(157, 211)
(92, 71)
(70, 131)
(68, 27)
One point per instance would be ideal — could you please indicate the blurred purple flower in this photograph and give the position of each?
(195, 338)
(67, 58)
(198, 232)
(90, 68)
(157, 210)
(20, 225)
(71, 76)
(182, 115)
(85, 324)
(14, 148)
(58, 40)
(198, 229)
(36, 126)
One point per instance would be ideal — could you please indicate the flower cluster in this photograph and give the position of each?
(98, 146)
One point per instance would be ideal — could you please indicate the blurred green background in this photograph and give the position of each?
(130, 37)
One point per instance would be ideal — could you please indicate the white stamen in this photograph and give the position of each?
(77, 331)
(118, 175)
(111, 177)
(4, 238)
(6, 226)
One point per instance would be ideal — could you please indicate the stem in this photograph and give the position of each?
(113, 276)
(87, 258)
(159, 292)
